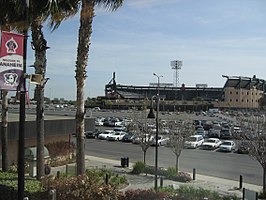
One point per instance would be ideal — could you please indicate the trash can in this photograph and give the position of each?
(124, 162)
(31, 157)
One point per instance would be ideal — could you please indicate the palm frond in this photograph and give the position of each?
(111, 5)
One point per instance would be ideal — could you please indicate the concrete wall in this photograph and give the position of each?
(55, 130)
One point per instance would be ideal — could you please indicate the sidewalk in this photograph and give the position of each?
(223, 186)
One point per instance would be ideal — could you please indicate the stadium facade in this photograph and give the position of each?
(237, 92)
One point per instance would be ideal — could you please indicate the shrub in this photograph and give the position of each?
(169, 190)
(170, 172)
(262, 194)
(83, 187)
(143, 194)
(150, 170)
(191, 193)
(9, 185)
(182, 177)
(100, 176)
(139, 167)
(118, 180)
(60, 152)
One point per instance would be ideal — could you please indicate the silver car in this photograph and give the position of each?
(227, 146)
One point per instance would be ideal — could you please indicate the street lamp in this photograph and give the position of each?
(151, 115)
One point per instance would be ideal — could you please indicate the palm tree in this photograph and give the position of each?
(6, 18)
(85, 31)
(37, 14)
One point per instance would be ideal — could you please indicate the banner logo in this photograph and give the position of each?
(11, 46)
(11, 61)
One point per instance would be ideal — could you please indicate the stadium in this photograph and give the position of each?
(237, 92)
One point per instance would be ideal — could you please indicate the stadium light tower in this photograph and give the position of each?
(176, 65)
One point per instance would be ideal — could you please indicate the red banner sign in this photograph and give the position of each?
(11, 61)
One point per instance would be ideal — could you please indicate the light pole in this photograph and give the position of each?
(151, 115)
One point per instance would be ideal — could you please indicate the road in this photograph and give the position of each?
(224, 165)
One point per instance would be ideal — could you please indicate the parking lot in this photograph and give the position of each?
(215, 126)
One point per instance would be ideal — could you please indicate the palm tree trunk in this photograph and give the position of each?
(4, 124)
(4, 131)
(85, 30)
(39, 44)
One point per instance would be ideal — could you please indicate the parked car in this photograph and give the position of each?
(97, 132)
(215, 131)
(74, 134)
(194, 141)
(98, 122)
(127, 137)
(227, 146)
(211, 143)
(207, 126)
(201, 131)
(243, 148)
(105, 134)
(237, 131)
(225, 133)
(119, 123)
(117, 136)
(90, 134)
(147, 138)
(135, 139)
(162, 140)
(122, 128)
(126, 121)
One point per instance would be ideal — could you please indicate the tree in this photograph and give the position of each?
(39, 12)
(85, 31)
(179, 132)
(144, 134)
(7, 16)
(34, 16)
(253, 136)
(262, 102)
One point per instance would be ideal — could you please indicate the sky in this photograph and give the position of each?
(211, 38)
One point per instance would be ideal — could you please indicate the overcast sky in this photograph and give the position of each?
(211, 38)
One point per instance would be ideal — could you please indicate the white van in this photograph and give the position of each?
(194, 141)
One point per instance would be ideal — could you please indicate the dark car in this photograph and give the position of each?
(225, 133)
(90, 134)
(243, 148)
(128, 137)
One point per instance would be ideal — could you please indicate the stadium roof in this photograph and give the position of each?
(245, 82)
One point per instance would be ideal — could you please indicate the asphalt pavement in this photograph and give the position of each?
(143, 181)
